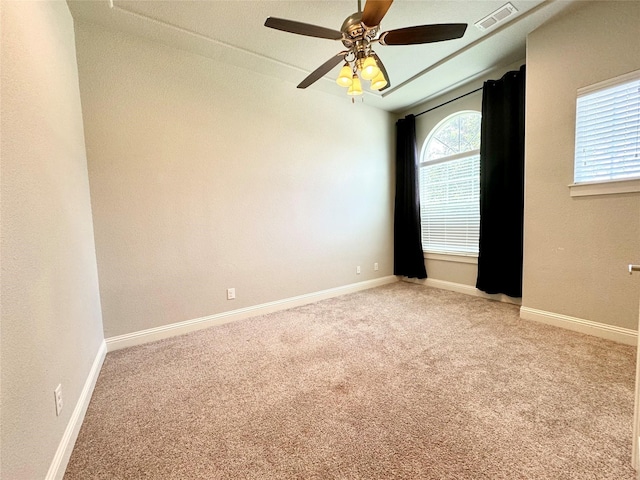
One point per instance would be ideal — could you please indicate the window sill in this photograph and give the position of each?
(604, 188)
(448, 257)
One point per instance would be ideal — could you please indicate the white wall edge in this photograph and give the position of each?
(462, 288)
(602, 330)
(68, 441)
(158, 333)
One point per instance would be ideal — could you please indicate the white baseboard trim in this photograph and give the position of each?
(462, 288)
(152, 334)
(63, 453)
(602, 330)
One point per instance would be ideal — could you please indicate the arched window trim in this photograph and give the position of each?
(434, 130)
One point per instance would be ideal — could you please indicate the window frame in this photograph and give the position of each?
(464, 257)
(603, 187)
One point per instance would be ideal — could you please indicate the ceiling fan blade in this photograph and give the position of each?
(423, 34)
(374, 10)
(384, 71)
(302, 28)
(322, 70)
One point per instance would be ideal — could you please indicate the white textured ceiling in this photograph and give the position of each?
(233, 32)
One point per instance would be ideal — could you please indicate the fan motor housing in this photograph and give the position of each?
(354, 30)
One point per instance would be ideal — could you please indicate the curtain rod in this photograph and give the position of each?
(452, 100)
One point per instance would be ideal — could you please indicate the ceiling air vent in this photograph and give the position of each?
(496, 17)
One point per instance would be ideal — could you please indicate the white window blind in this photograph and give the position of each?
(450, 186)
(608, 131)
(450, 206)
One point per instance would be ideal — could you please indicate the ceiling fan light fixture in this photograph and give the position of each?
(358, 33)
(356, 86)
(378, 81)
(369, 68)
(344, 78)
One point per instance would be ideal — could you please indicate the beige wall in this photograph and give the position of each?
(205, 176)
(576, 249)
(51, 323)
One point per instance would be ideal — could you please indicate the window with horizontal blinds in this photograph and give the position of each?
(450, 206)
(449, 182)
(608, 131)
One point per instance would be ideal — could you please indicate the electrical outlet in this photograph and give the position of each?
(358, 270)
(58, 397)
(375, 266)
(231, 293)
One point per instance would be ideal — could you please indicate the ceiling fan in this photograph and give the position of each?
(358, 32)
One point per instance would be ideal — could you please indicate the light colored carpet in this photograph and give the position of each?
(397, 382)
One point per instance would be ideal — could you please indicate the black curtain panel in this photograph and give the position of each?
(502, 185)
(408, 259)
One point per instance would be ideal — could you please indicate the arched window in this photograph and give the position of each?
(450, 185)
